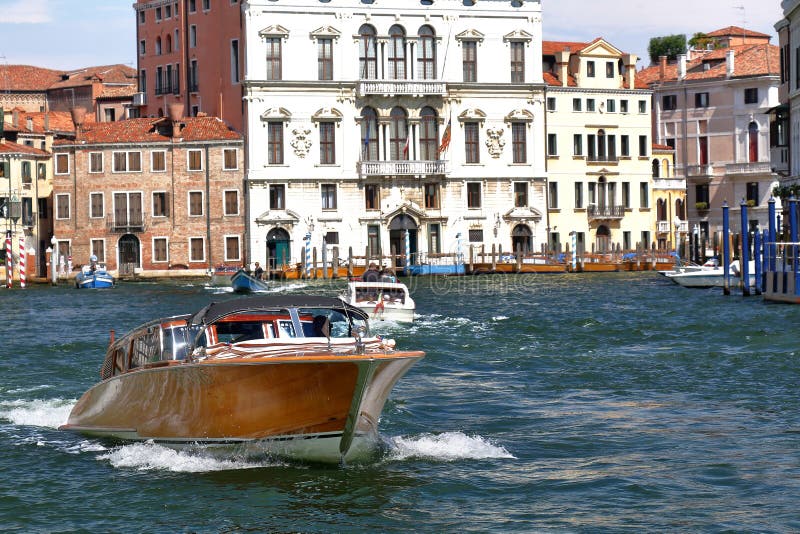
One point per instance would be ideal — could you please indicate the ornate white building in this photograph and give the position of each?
(367, 118)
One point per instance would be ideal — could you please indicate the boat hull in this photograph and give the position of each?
(706, 279)
(94, 281)
(293, 406)
(389, 313)
(241, 282)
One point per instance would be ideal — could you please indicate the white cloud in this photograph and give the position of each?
(25, 12)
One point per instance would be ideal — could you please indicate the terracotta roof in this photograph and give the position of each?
(749, 60)
(549, 48)
(155, 130)
(57, 121)
(106, 74)
(27, 78)
(9, 147)
(736, 31)
(656, 146)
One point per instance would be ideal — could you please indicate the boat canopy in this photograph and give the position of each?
(217, 310)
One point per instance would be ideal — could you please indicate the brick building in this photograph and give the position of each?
(151, 195)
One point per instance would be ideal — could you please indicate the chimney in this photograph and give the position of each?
(662, 67)
(15, 118)
(562, 61)
(2, 122)
(681, 66)
(629, 60)
(729, 68)
(29, 123)
(175, 113)
(46, 122)
(78, 115)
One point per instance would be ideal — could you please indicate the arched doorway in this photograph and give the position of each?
(522, 238)
(397, 238)
(129, 254)
(602, 241)
(278, 251)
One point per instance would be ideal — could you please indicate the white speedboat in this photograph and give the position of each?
(709, 276)
(386, 299)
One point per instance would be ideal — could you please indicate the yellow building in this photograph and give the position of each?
(669, 198)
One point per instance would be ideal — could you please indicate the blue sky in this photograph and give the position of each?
(67, 34)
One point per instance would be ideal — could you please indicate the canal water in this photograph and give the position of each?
(564, 403)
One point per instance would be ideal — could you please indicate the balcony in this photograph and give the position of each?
(139, 99)
(127, 226)
(401, 87)
(602, 159)
(665, 227)
(699, 171)
(402, 168)
(748, 169)
(595, 212)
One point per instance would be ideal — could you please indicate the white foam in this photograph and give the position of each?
(499, 318)
(50, 413)
(448, 446)
(152, 457)
(288, 287)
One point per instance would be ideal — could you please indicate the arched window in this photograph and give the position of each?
(367, 53)
(398, 134)
(752, 136)
(370, 140)
(428, 134)
(661, 209)
(397, 53)
(665, 168)
(656, 168)
(26, 172)
(679, 209)
(426, 55)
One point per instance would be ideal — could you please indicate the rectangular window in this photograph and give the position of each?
(229, 160)
(576, 104)
(470, 60)
(192, 6)
(41, 171)
(669, 102)
(590, 104)
(160, 204)
(273, 46)
(624, 146)
(373, 240)
(642, 146)
(642, 106)
(96, 210)
(751, 95)
(626, 240)
(701, 100)
(519, 142)
(275, 143)
(372, 199)
(520, 194)
(578, 195)
(158, 161)
(127, 161)
(626, 195)
(432, 196)
(230, 202)
(551, 103)
(328, 192)
(142, 18)
(206, 5)
(644, 196)
(62, 206)
(646, 239)
(434, 238)
(197, 249)
(160, 249)
(591, 195)
(194, 159)
(473, 194)
(232, 248)
(552, 195)
(325, 59)
(195, 203)
(98, 249)
(577, 145)
(701, 194)
(611, 106)
(127, 210)
(471, 142)
(752, 192)
(142, 47)
(95, 162)
(331, 238)
(192, 36)
(590, 69)
(235, 77)
(327, 143)
(517, 62)
(277, 197)
(609, 69)
(623, 106)
(62, 163)
(476, 235)
(552, 145)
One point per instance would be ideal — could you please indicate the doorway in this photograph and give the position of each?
(278, 251)
(397, 239)
(522, 239)
(129, 254)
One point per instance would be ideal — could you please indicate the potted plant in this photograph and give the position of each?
(701, 206)
(750, 203)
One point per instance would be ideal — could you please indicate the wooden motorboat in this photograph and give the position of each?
(385, 299)
(93, 276)
(244, 282)
(295, 375)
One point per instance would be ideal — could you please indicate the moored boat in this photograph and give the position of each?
(385, 299)
(244, 282)
(710, 276)
(297, 376)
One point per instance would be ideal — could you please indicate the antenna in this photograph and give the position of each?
(744, 16)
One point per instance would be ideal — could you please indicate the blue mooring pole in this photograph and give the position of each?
(726, 250)
(745, 259)
(793, 232)
(771, 247)
(757, 259)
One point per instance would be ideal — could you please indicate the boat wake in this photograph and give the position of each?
(48, 413)
(150, 456)
(446, 447)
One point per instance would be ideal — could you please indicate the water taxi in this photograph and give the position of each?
(296, 376)
(383, 299)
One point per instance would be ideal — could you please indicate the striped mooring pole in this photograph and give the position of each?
(22, 273)
(307, 239)
(9, 265)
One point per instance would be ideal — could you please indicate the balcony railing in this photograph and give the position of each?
(699, 170)
(761, 167)
(401, 87)
(605, 212)
(127, 225)
(139, 99)
(402, 168)
(665, 227)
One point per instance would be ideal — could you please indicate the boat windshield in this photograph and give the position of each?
(341, 325)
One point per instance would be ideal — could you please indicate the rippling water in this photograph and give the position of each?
(611, 402)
